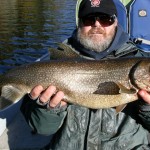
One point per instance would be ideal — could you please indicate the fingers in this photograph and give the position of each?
(144, 95)
(36, 91)
(56, 99)
(49, 95)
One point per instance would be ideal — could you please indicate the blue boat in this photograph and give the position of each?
(14, 131)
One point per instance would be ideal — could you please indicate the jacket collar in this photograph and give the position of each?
(121, 37)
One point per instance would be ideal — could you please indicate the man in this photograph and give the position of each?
(98, 36)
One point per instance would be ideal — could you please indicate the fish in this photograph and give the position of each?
(96, 84)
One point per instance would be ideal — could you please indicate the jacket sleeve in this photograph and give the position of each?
(41, 120)
(144, 114)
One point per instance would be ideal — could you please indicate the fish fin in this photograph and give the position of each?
(62, 52)
(11, 93)
(4, 103)
(120, 108)
(107, 88)
(123, 89)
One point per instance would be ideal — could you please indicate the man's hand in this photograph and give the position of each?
(144, 95)
(50, 94)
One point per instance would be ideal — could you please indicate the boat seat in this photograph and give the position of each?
(139, 22)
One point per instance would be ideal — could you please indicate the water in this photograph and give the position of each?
(29, 27)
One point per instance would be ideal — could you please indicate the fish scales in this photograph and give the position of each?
(93, 84)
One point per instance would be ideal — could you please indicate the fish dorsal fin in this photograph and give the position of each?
(11, 92)
(63, 51)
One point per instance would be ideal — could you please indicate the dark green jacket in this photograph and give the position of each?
(79, 128)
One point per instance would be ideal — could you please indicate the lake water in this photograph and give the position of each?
(29, 27)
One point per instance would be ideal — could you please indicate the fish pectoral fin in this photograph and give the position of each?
(11, 93)
(123, 89)
(107, 88)
(120, 108)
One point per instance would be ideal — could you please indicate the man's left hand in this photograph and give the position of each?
(144, 95)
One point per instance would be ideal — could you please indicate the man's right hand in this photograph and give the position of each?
(49, 94)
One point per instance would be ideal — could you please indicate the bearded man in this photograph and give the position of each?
(98, 36)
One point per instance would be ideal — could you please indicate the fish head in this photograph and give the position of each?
(140, 75)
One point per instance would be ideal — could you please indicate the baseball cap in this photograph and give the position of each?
(96, 6)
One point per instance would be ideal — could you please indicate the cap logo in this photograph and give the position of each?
(95, 3)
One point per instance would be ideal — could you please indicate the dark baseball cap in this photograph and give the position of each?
(88, 7)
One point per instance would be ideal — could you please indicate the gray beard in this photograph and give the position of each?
(88, 43)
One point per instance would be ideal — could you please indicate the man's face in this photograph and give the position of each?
(97, 34)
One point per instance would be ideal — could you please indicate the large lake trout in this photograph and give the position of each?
(93, 84)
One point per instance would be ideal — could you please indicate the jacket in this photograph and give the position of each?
(79, 128)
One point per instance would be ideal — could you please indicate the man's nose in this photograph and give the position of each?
(97, 23)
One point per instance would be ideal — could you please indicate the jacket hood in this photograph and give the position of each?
(121, 37)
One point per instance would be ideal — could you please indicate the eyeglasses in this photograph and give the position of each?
(104, 20)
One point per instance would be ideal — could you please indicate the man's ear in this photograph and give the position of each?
(116, 21)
